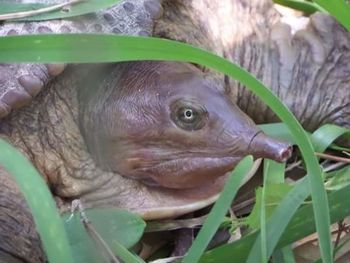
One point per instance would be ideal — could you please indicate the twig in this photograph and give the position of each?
(37, 11)
(341, 228)
(243, 204)
(332, 157)
(293, 165)
(76, 205)
(346, 153)
(333, 167)
(165, 225)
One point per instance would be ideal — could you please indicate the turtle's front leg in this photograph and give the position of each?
(308, 70)
(20, 83)
(19, 241)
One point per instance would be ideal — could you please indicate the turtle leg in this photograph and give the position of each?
(20, 83)
(19, 241)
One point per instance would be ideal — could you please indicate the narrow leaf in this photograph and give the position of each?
(219, 210)
(302, 5)
(76, 9)
(118, 228)
(274, 172)
(301, 225)
(325, 135)
(40, 202)
(339, 9)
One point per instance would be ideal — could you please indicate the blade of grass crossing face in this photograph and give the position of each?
(219, 211)
(40, 202)
(278, 130)
(83, 48)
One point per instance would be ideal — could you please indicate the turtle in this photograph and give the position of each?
(156, 137)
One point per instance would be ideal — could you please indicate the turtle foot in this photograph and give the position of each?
(20, 83)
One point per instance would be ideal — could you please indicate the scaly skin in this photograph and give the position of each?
(20, 83)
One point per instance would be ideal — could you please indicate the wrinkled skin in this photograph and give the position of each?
(83, 133)
(153, 140)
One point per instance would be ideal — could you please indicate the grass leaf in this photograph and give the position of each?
(325, 135)
(118, 228)
(219, 210)
(40, 202)
(305, 6)
(77, 9)
(339, 9)
(301, 225)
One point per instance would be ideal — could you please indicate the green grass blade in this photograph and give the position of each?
(275, 193)
(321, 138)
(8, 7)
(278, 130)
(219, 210)
(325, 135)
(339, 9)
(77, 9)
(125, 254)
(338, 179)
(288, 255)
(301, 225)
(40, 202)
(263, 230)
(115, 226)
(302, 5)
(83, 48)
(274, 172)
(280, 218)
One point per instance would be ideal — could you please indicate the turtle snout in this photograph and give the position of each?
(262, 146)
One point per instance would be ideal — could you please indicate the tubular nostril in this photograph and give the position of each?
(286, 153)
(262, 146)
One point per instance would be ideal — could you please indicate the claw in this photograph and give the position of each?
(31, 84)
(20, 83)
(154, 8)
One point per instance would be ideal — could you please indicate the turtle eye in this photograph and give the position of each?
(188, 115)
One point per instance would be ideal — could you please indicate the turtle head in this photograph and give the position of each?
(169, 125)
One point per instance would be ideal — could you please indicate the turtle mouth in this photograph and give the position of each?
(185, 173)
(189, 200)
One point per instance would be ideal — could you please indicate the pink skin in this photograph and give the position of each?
(153, 141)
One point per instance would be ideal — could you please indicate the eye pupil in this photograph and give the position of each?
(188, 114)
